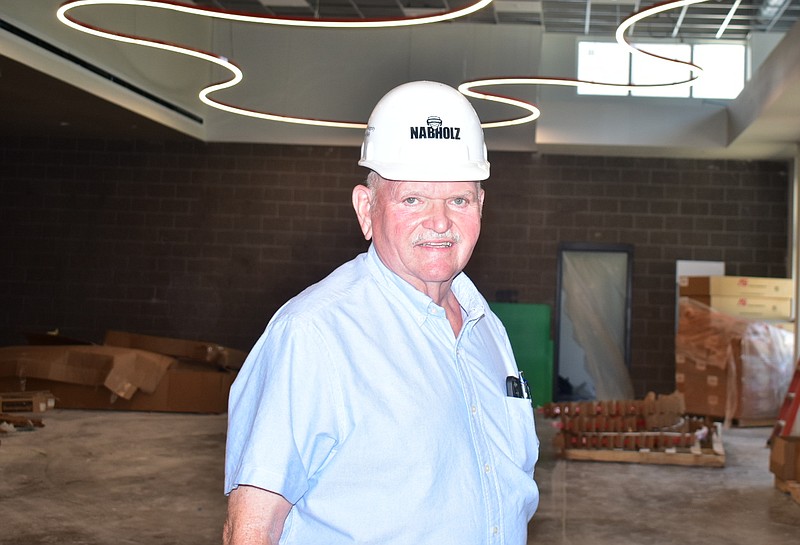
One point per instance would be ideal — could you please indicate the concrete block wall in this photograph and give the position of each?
(206, 241)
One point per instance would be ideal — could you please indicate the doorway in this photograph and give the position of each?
(593, 322)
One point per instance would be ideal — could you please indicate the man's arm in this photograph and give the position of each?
(255, 517)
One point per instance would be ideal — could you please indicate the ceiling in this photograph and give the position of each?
(35, 103)
(569, 16)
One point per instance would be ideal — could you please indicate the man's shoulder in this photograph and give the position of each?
(341, 287)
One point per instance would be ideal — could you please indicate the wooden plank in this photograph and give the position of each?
(754, 423)
(705, 458)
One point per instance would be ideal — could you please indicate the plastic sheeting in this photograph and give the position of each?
(595, 302)
(757, 357)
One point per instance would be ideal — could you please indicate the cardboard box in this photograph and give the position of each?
(211, 353)
(706, 389)
(784, 458)
(122, 371)
(751, 308)
(736, 286)
(114, 378)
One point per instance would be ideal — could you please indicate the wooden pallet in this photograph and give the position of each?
(26, 402)
(789, 487)
(754, 422)
(692, 456)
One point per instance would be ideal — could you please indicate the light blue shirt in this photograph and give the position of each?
(360, 406)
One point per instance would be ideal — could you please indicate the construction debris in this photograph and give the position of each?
(654, 430)
(12, 422)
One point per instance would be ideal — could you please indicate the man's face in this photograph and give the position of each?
(423, 231)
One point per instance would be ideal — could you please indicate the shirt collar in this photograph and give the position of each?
(417, 302)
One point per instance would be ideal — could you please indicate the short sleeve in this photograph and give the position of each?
(282, 414)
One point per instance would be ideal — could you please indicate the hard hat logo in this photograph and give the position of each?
(434, 121)
(435, 130)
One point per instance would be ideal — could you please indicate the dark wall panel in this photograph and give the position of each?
(205, 241)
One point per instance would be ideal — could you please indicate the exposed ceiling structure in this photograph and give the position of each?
(39, 103)
(569, 16)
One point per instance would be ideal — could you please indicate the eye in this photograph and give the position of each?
(411, 200)
(459, 201)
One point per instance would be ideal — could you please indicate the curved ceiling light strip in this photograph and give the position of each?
(649, 12)
(467, 88)
(237, 75)
(309, 22)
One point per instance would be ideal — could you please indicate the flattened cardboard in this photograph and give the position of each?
(123, 371)
(185, 388)
(113, 378)
(215, 354)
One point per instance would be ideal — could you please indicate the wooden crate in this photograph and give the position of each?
(27, 402)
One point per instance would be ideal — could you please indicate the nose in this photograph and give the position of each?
(439, 218)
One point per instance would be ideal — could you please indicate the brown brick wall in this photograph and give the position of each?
(205, 241)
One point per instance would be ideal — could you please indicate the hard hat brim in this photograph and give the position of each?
(471, 172)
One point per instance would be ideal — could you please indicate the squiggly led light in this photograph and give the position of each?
(237, 76)
(467, 88)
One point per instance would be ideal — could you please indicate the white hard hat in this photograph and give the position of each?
(425, 132)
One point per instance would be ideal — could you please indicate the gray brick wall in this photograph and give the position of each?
(205, 241)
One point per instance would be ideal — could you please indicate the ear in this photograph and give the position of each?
(363, 208)
(481, 195)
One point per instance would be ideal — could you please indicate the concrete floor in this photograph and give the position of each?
(97, 478)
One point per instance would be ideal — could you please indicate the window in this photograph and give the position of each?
(723, 67)
(723, 70)
(646, 70)
(606, 62)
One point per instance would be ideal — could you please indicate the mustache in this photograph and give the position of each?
(433, 237)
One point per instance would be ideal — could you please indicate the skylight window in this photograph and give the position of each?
(723, 67)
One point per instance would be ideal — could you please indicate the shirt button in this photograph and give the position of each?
(495, 529)
(474, 409)
(486, 468)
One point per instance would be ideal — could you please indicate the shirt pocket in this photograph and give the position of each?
(522, 433)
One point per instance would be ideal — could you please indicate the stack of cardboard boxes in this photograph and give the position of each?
(752, 298)
(734, 345)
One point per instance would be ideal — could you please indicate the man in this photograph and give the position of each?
(383, 405)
